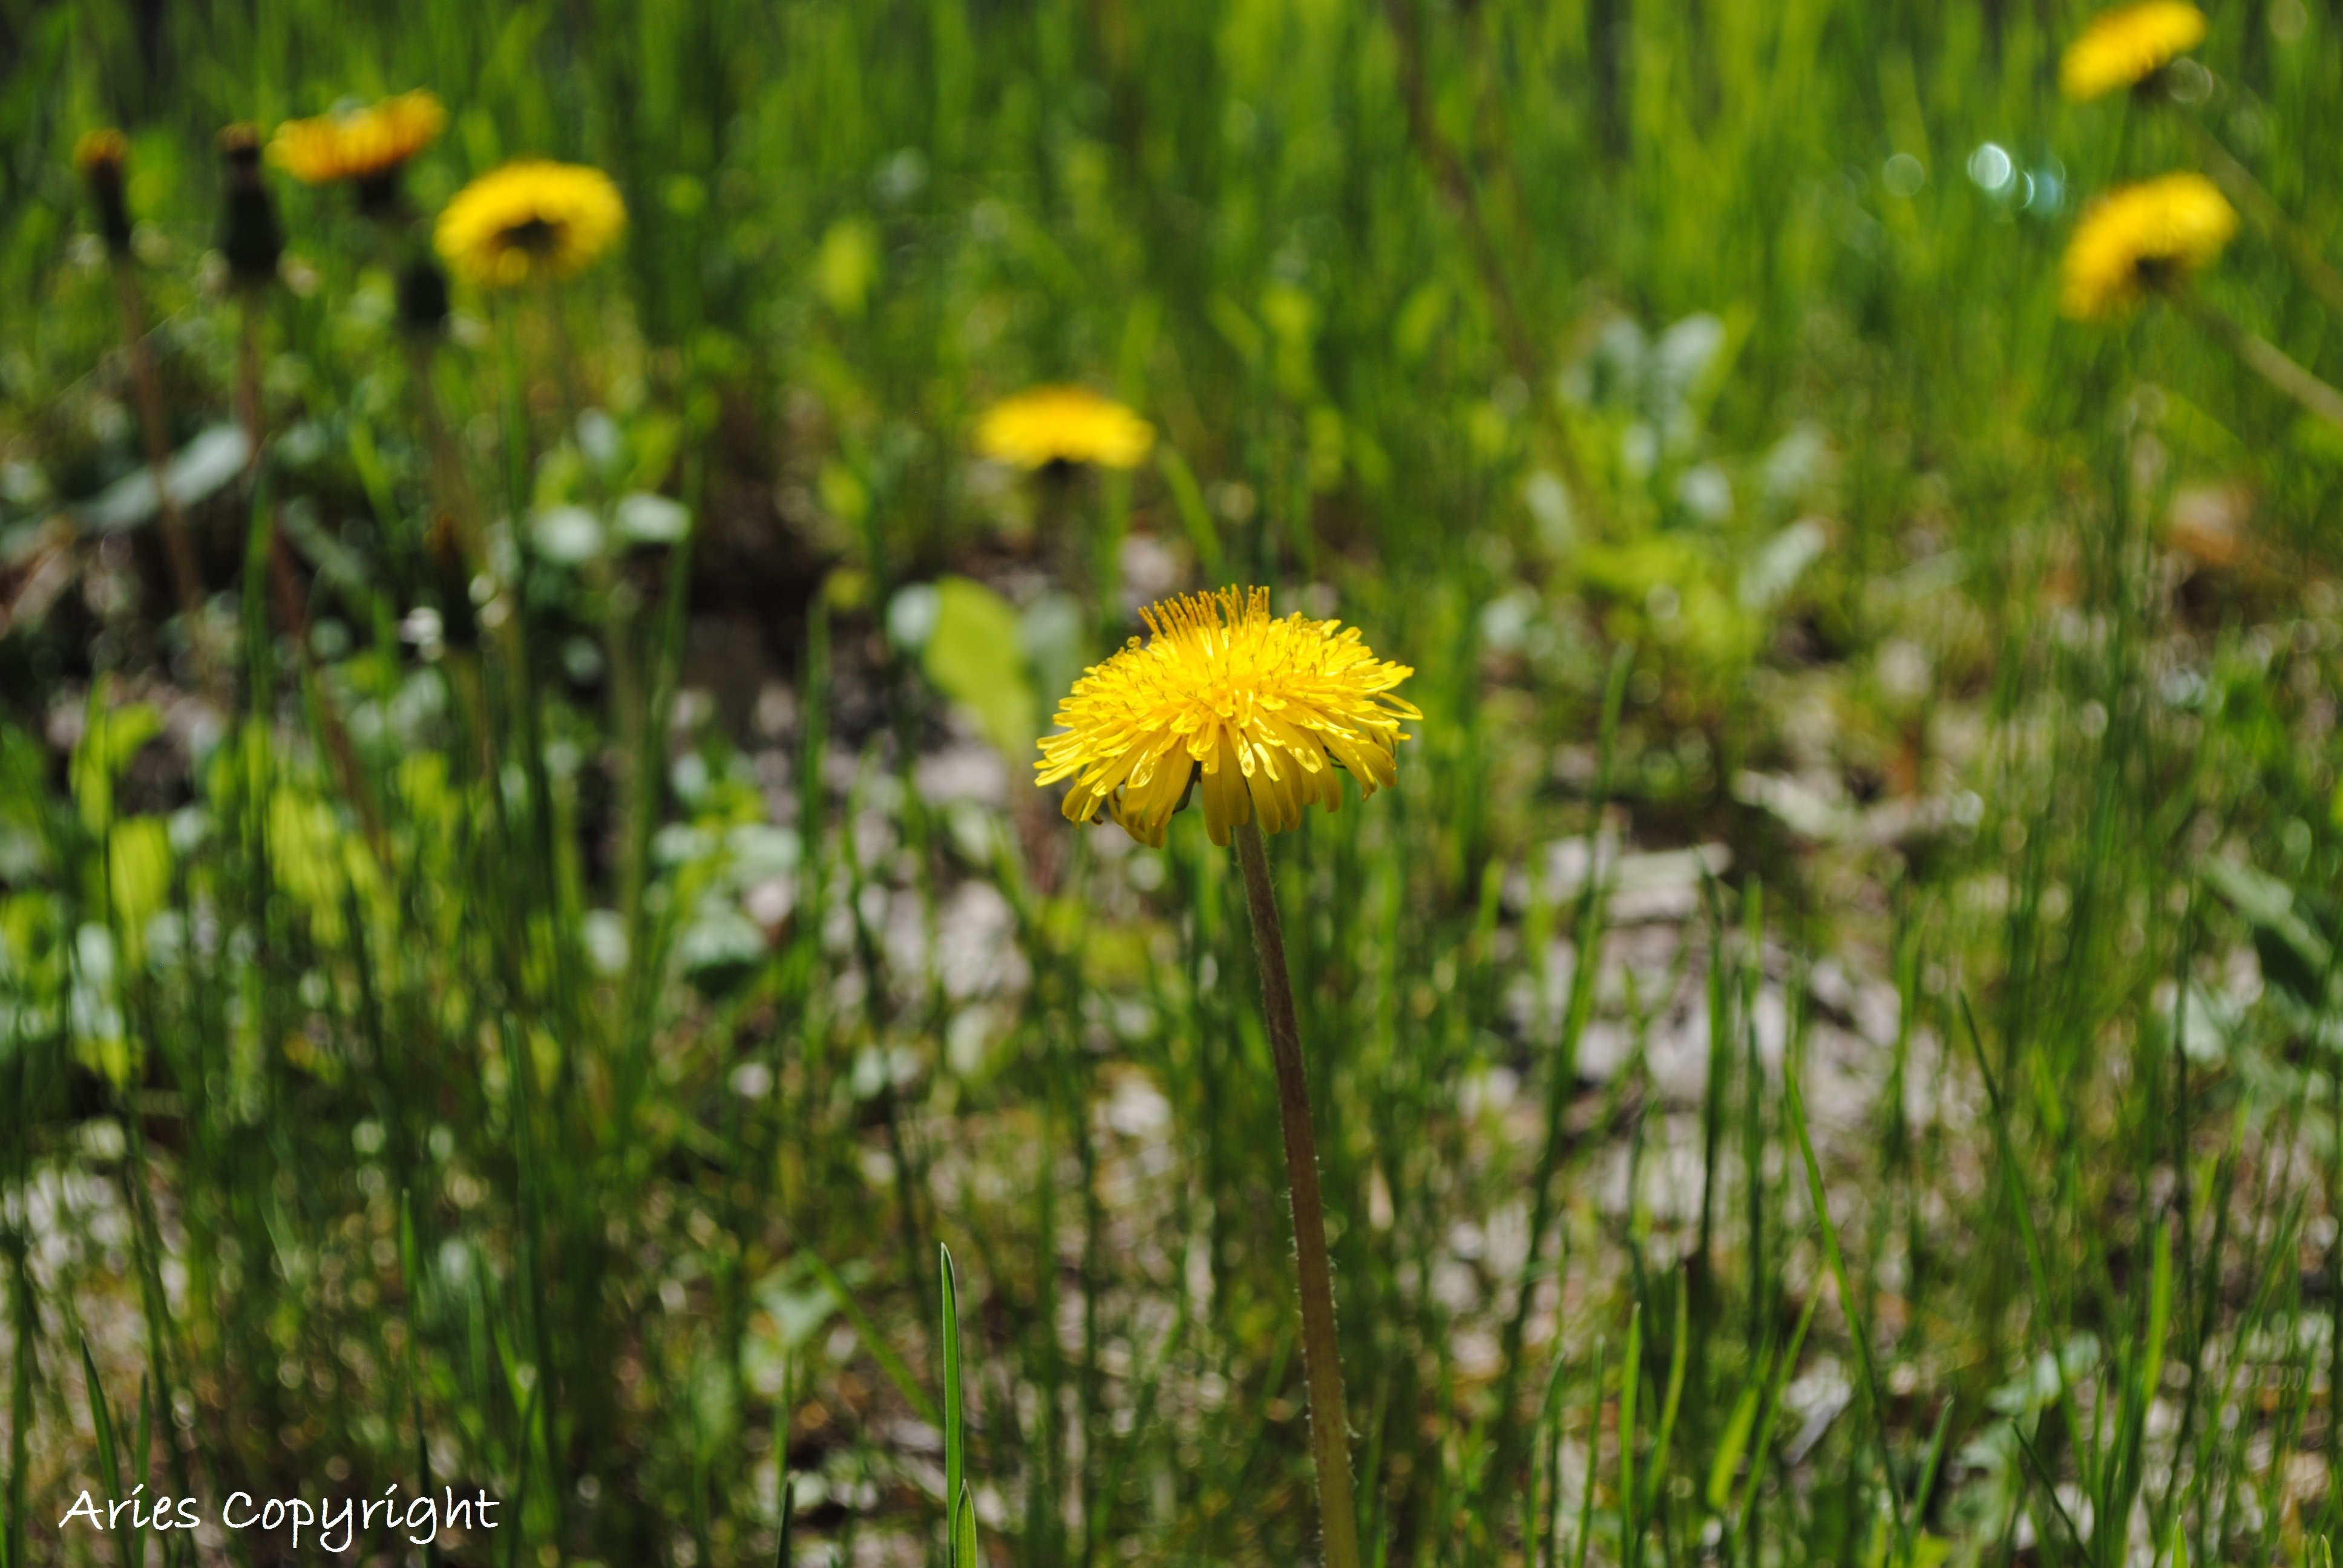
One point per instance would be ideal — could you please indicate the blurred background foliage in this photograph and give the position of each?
(530, 1027)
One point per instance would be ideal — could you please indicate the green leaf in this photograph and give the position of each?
(1776, 567)
(110, 1456)
(1794, 1101)
(1593, 1446)
(963, 1517)
(140, 1449)
(1678, 1359)
(1631, 1374)
(2292, 954)
(138, 879)
(2318, 440)
(965, 1552)
(100, 1421)
(2160, 1316)
(1188, 499)
(1733, 1441)
(880, 1350)
(1772, 1404)
(196, 471)
(973, 656)
(847, 265)
(110, 738)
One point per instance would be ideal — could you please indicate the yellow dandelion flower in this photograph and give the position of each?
(531, 219)
(359, 142)
(1063, 425)
(104, 149)
(2124, 47)
(1260, 709)
(2143, 237)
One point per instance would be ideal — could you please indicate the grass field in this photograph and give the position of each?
(522, 942)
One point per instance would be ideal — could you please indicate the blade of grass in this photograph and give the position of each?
(1631, 1379)
(130, 1545)
(1593, 1453)
(1562, 1065)
(1771, 1411)
(2014, 1196)
(1679, 1356)
(893, 1365)
(1858, 1329)
(955, 1439)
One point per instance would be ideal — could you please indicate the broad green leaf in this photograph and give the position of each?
(305, 842)
(201, 469)
(847, 265)
(973, 656)
(110, 738)
(138, 879)
(2292, 954)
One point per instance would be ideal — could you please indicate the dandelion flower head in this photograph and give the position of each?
(2142, 237)
(101, 150)
(358, 141)
(1260, 711)
(1050, 424)
(2124, 47)
(532, 219)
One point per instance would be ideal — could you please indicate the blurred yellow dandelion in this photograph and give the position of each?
(1260, 709)
(531, 220)
(103, 149)
(1063, 425)
(2124, 47)
(2143, 237)
(361, 143)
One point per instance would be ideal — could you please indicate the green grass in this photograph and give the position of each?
(546, 1048)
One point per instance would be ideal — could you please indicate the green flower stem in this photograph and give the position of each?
(247, 379)
(2251, 195)
(2263, 358)
(452, 484)
(284, 587)
(1322, 1364)
(154, 426)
